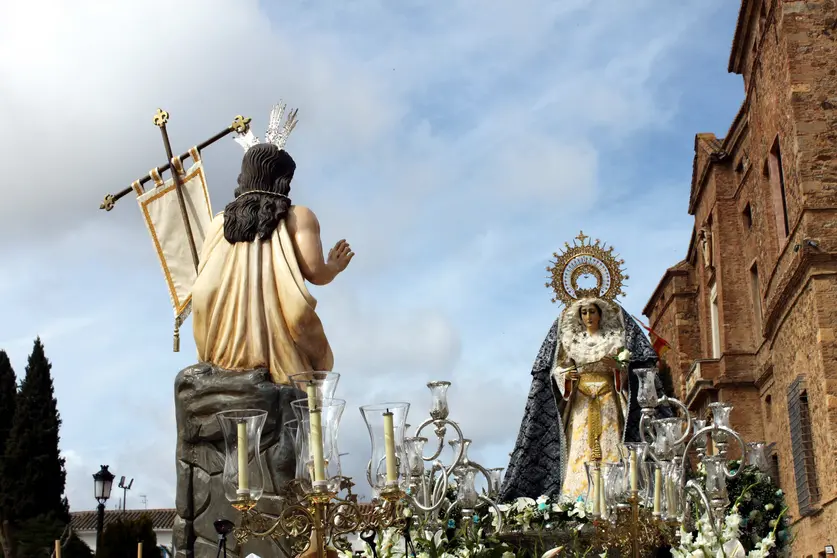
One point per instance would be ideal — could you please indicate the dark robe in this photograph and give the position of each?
(537, 462)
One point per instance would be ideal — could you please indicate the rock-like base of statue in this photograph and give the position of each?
(200, 391)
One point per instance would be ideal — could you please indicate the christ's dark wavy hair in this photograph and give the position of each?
(267, 168)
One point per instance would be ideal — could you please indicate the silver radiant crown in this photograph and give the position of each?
(277, 132)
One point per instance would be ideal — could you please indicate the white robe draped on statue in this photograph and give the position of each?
(251, 307)
(596, 403)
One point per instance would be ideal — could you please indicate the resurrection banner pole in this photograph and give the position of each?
(160, 120)
(239, 125)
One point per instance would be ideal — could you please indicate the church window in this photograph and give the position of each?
(715, 324)
(776, 174)
(747, 214)
(804, 466)
(755, 291)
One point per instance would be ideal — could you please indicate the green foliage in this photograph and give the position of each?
(36, 536)
(76, 548)
(33, 477)
(121, 537)
(8, 394)
(759, 508)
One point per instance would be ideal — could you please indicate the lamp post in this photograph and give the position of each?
(102, 483)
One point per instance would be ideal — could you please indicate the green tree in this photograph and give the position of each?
(76, 548)
(121, 537)
(33, 479)
(8, 396)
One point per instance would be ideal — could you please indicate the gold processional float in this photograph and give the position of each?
(635, 503)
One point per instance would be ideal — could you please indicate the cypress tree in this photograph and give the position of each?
(121, 537)
(8, 394)
(32, 484)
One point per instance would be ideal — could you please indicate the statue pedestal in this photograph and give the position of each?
(200, 391)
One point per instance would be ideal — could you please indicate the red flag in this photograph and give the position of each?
(660, 345)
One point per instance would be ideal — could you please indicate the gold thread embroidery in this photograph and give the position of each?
(595, 385)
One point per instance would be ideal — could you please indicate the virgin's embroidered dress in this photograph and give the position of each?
(596, 404)
(554, 441)
(581, 404)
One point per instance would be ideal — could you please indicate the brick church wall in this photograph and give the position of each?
(772, 259)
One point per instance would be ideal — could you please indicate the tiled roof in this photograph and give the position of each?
(86, 520)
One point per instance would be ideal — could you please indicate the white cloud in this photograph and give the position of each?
(455, 146)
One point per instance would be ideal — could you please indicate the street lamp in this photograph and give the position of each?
(102, 483)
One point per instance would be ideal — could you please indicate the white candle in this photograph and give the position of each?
(597, 487)
(139, 550)
(389, 448)
(58, 549)
(602, 495)
(658, 480)
(634, 470)
(316, 439)
(243, 467)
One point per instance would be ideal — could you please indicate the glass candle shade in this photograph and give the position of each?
(320, 425)
(466, 443)
(673, 494)
(439, 406)
(319, 385)
(385, 423)
(633, 455)
(243, 476)
(716, 481)
(757, 456)
(614, 487)
(593, 500)
(414, 455)
(667, 431)
(656, 487)
(646, 395)
(495, 481)
(720, 418)
(301, 452)
(466, 490)
(700, 442)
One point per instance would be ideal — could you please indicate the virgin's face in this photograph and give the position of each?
(590, 317)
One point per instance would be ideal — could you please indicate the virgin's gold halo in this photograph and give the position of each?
(586, 259)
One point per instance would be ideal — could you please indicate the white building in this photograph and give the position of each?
(84, 525)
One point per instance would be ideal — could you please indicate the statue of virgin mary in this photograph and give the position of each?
(582, 401)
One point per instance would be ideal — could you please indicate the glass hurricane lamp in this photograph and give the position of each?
(243, 476)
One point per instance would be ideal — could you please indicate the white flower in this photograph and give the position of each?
(768, 507)
(624, 356)
(522, 503)
(507, 554)
(579, 510)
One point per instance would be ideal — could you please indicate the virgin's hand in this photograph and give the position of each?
(340, 256)
(573, 375)
(610, 361)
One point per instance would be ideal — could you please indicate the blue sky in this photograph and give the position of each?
(455, 146)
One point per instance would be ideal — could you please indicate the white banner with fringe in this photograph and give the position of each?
(160, 210)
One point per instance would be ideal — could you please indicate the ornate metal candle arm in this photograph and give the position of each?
(427, 492)
(713, 496)
(317, 515)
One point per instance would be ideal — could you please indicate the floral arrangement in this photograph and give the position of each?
(756, 526)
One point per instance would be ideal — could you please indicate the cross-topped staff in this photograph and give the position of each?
(239, 125)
